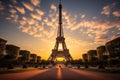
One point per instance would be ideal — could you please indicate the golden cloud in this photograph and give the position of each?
(36, 16)
(28, 6)
(13, 18)
(39, 25)
(35, 2)
(53, 7)
(116, 13)
(20, 9)
(38, 35)
(40, 12)
(12, 11)
(107, 9)
(25, 28)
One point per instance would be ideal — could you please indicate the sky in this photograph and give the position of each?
(32, 24)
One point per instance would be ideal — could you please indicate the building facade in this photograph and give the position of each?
(33, 58)
(38, 59)
(85, 57)
(2, 46)
(24, 55)
(92, 55)
(101, 51)
(12, 51)
(113, 48)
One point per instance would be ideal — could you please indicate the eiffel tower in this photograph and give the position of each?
(60, 40)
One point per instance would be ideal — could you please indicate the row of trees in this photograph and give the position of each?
(8, 62)
(97, 63)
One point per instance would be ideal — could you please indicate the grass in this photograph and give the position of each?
(16, 70)
(102, 70)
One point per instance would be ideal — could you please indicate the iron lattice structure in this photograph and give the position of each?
(60, 40)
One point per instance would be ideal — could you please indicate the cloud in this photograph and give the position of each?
(77, 26)
(116, 13)
(41, 28)
(35, 2)
(12, 11)
(107, 9)
(29, 21)
(26, 25)
(28, 6)
(33, 27)
(116, 36)
(91, 24)
(97, 30)
(13, 18)
(37, 26)
(25, 28)
(20, 9)
(36, 16)
(53, 7)
(1, 6)
(38, 35)
(40, 12)
(51, 22)
(11, 6)
(90, 35)
(22, 22)
(34, 24)
(69, 21)
(82, 16)
(31, 30)
(102, 35)
(43, 25)
(49, 33)
(14, 1)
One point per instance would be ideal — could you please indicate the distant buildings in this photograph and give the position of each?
(11, 54)
(2, 46)
(24, 55)
(113, 48)
(92, 55)
(85, 57)
(101, 51)
(111, 51)
(33, 58)
(38, 59)
(12, 51)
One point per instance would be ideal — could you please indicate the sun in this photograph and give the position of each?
(60, 59)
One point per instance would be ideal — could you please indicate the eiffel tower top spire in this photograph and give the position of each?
(60, 29)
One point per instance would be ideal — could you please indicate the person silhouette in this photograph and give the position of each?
(59, 66)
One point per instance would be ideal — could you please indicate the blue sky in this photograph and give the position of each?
(32, 24)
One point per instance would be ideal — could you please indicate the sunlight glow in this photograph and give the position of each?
(60, 59)
(60, 48)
